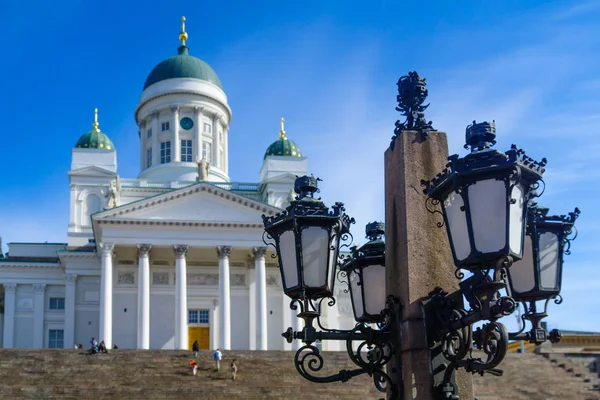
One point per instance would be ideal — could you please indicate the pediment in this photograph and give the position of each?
(92, 171)
(199, 203)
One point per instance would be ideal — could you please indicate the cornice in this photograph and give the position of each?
(178, 223)
(25, 264)
(139, 107)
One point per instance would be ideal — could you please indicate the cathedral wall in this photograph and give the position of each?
(162, 321)
(274, 319)
(23, 331)
(240, 321)
(86, 325)
(23, 336)
(1, 330)
(125, 319)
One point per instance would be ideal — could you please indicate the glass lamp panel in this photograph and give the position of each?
(333, 253)
(457, 225)
(516, 215)
(315, 250)
(548, 254)
(487, 202)
(374, 288)
(289, 263)
(522, 277)
(356, 293)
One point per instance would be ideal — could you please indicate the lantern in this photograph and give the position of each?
(306, 237)
(483, 198)
(538, 275)
(365, 270)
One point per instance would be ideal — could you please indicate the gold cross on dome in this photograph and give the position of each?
(282, 133)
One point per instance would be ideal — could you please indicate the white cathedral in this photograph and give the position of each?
(172, 256)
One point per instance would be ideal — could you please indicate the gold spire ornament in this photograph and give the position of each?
(282, 133)
(96, 124)
(183, 36)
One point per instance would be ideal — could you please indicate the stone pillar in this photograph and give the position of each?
(142, 135)
(70, 281)
(216, 159)
(197, 152)
(10, 292)
(225, 149)
(143, 323)
(181, 308)
(261, 296)
(418, 257)
(39, 290)
(106, 294)
(252, 307)
(176, 147)
(155, 141)
(224, 298)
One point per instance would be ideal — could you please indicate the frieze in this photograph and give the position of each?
(238, 280)
(203, 279)
(272, 280)
(125, 278)
(160, 278)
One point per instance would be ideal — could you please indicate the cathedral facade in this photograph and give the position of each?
(172, 256)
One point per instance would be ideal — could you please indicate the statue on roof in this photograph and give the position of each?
(203, 168)
(114, 190)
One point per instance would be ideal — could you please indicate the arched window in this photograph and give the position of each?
(93, 204)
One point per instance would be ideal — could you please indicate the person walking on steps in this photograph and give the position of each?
(195, 349)
(217, 356)
(234, 369)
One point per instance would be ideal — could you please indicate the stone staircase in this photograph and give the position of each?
(163, 374)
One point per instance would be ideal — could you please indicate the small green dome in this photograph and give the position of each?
(283, 147)
(182, 66)
(95, 139)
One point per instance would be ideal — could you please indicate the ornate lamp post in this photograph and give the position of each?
(538, 276)
(365, 271)
(483, 198)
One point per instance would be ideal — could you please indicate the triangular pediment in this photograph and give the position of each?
(201, 202)
(92, 171)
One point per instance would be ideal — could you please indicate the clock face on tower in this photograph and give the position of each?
(186, 123)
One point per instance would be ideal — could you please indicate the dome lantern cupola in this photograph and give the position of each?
(95, 139)
(283, 147)
(183, 66)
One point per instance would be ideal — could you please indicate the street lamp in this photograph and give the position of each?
(307, 238)
(483, 197)
(365, 271)
(538, 276)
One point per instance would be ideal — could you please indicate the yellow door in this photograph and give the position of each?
(201, 334)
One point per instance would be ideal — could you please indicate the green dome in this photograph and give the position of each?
(182, 66)
(95, 139)
(283, 147)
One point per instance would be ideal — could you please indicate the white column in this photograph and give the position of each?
(142, 147)
(214, 327)
(73, 203)
(181, 309)
(261, 296)
(224, 298)
(39, 290)
(10, 290)
(176, 146)
(215, 143)
(197, 133)
(226, 149)
(106, 296)
(252, 307)
(70, 280)
(143, 322)
(155, 142)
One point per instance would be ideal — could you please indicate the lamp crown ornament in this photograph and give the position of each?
(480, 136)
(375, 230)
(306, 186)
(412, 93)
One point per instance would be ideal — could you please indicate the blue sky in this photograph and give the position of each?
(330, 68)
